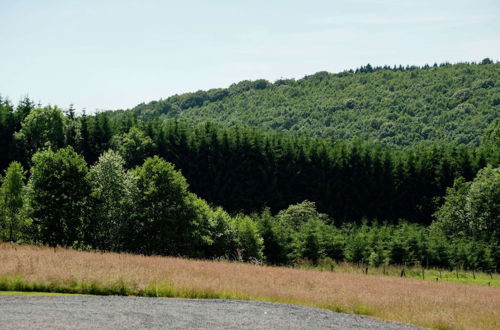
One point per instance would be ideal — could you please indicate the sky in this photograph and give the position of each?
(115, 54)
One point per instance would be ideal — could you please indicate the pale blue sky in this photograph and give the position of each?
(112, 54)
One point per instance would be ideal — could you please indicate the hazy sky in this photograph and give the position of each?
(107, 54)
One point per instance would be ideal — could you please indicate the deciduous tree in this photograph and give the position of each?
(57, 196)
(11, 203)
(112, 191)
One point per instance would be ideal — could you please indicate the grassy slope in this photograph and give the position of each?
(425, 303)
(451, 103)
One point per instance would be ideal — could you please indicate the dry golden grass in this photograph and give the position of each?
(418, 302)
(430, 274)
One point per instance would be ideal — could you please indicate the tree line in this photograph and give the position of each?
(121, 184)
(245, 170)
(399, 106)
(150, 210)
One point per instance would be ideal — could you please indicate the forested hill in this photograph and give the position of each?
(397, 106)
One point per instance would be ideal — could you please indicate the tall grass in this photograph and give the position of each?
(424, 303)
(431, 274)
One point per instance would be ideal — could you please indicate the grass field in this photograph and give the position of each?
(426, 303)
(455, 276)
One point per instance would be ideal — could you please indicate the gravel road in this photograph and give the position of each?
(99, 312)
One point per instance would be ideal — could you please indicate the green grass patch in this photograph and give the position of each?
(443, 326)
(118, 288)
(16, 285)
(24, 293)
(333, 308)
(170, 291)
(363, 310)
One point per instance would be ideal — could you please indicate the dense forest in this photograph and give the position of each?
(136, 181)
(394, 105)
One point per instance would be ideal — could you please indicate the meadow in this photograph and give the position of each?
(428, 303)
(428, 274)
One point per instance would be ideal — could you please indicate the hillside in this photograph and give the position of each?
(398, 106)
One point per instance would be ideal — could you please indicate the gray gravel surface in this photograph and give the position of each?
(99, 312)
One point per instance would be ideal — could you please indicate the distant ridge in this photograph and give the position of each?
(395, 105)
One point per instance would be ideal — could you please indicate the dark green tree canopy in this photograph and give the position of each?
(366, 147)
(42, 128)
(162, 195)
(134, 146)
(296, 215)
(491, 135)
(57, 195)
(397, 106)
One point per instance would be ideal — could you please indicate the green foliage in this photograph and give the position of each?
(207, 233)
(24, 108)
(277, 238)
(295, 215)
(8, 125)
(473, 208)
(439, 114)
(73, 129)
(42, 128)
(170, 220)
(246, 170)
(250, 242)
(57, 197)
(373, 245)
(491, 135)
(161, 217)
(91, 134)
(298, 232)
(223, 236)
(151, 211)
(397, 106)
(483, 203)
(134, 146)
(12, 223)
(308, 241)
(112, 191)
